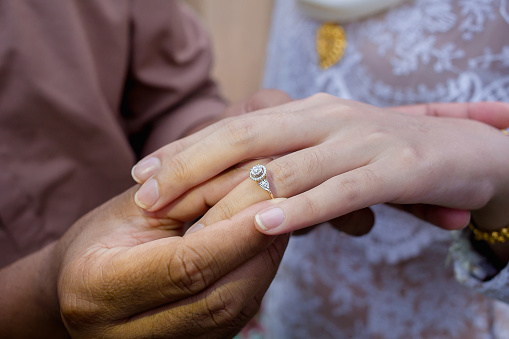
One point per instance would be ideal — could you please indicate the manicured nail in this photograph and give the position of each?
(145, 169)
(147, 195)
(194, 228)
(270, 219)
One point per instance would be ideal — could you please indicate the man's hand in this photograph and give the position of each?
(125, 273)
(128, 274)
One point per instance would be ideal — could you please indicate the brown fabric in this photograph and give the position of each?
(79, 80)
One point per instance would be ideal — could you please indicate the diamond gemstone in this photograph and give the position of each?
(265, 185)
(258, 172)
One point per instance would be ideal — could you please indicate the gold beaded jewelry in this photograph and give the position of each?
(500, 236)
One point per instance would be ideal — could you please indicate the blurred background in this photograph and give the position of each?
(239, 31)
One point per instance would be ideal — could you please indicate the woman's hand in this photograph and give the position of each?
(347, 156)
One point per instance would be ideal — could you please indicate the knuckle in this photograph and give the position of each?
(322, 97)
(312, 208)
(72, 308)
(176, 147)
(410, 157)
(240, 132)
(333, 107)
(276, 251)
(179, 168)
(79, 314)
(224, 210)
(313, 162)
(265, 98)
(372, 178)
(224, 307)
(431, 109)
(284, 175)
(415, 159)
(350, 189)
(249, 311)
(187, 270)
(343, 110)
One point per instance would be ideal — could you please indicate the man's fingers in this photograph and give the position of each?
(165, 270)
(220, 310)
(356, 223)
(495, 114)
(201, 198)
(448, 218)
(444, 217)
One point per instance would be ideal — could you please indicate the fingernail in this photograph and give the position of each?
(194, 228)
(147, 195)
(270, 219)
(145, 169)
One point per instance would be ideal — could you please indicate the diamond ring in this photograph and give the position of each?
(259, 174)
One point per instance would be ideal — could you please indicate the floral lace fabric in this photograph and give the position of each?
(393, 282)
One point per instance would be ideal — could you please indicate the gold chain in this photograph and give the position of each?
(500, 236)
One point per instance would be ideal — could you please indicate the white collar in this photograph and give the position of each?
(344, 11)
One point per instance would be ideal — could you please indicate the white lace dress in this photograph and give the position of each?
(393, 282)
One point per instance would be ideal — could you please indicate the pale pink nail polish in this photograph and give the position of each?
(145, 169)
(147, 195)
(270, 219)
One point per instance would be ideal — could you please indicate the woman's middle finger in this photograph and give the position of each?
(262, 134)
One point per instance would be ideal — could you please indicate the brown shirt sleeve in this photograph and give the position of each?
(168, 87)
(77, 80)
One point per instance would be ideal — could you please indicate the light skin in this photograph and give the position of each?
(120, 272)
(333, 157)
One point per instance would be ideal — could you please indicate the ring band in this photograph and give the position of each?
(258, 173)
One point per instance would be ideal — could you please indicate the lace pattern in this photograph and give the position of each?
(393, 282)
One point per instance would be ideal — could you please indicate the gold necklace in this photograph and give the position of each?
(330, 44)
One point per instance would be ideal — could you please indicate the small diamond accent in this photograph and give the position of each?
(265, 185)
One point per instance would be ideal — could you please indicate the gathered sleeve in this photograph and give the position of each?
(476, 271)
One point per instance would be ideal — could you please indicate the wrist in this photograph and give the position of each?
(29, 304)
(46, 301)
(48, 269)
